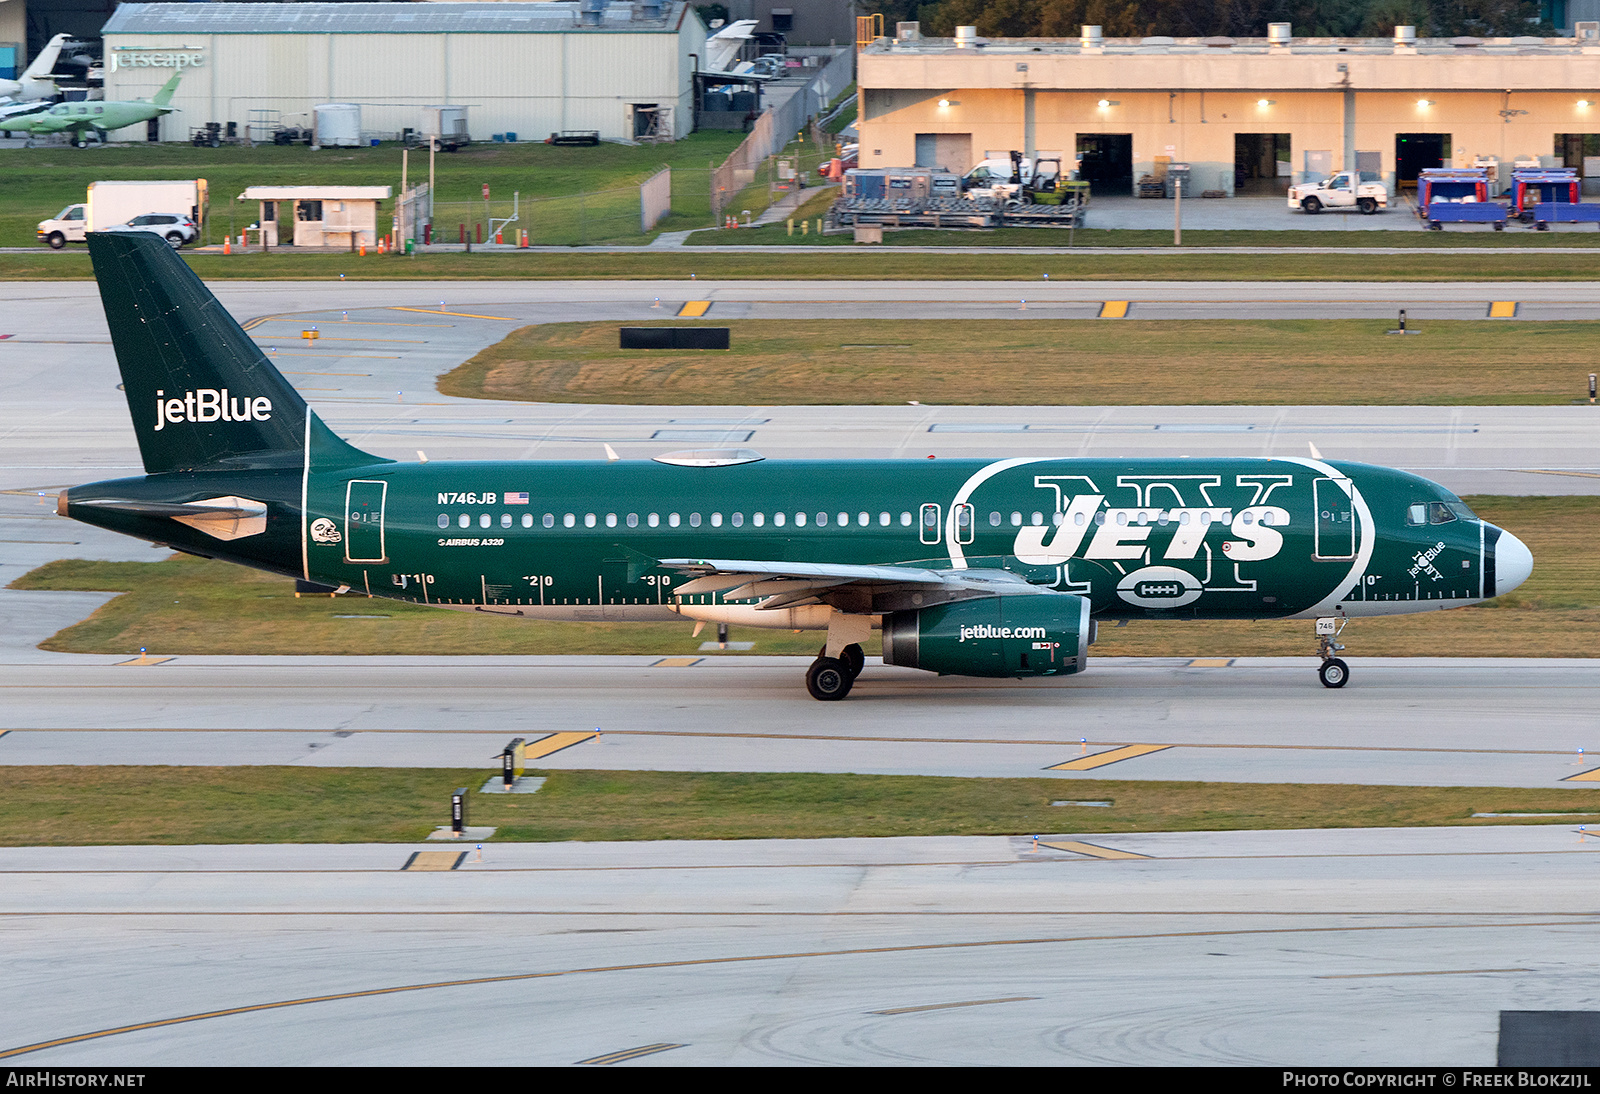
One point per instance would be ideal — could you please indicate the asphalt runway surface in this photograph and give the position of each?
(1322, 947)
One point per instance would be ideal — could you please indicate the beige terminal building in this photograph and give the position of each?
(1247, 115)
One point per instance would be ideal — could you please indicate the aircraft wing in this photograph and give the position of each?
(872, 589)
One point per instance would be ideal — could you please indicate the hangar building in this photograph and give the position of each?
(1249, 114)
(528, 68)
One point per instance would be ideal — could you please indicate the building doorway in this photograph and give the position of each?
(951, 151)
(1261, 163)
(1577, 149)
(644, 119)
(1105, 161)
(1413, 152)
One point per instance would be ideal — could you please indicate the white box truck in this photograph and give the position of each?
(119, 202)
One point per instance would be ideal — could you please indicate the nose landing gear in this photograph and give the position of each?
(1333, 673)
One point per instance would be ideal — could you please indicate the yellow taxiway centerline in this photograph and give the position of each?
(462, 314)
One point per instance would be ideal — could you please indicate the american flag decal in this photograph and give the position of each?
(517, 498)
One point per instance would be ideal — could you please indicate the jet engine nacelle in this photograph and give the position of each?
(1040, 634)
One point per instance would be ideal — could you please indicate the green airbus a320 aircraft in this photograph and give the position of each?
(101, 117)
(971, 567)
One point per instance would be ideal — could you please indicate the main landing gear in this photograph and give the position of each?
(831, 678)
(1333, 673)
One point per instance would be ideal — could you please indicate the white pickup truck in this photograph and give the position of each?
(1338, 192)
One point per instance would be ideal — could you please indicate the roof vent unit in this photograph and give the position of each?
(710, 457)
(1586, 31)
(1466, 42)
(1405, 35)
(1092, 40)
(592, 11)
(908, 32)
(1279, 35)
(650, 9)
(966, 37)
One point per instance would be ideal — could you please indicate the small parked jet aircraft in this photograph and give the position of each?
(102, 117)
(970, 567)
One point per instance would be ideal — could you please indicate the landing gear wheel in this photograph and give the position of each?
(828, 679)
(854, 660)
(1334, 673)
(1312, 206)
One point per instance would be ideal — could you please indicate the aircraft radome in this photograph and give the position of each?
(998, 568)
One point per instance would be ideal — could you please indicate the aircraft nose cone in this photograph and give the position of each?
(1513, 562)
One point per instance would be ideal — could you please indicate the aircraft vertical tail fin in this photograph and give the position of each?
(202, 394)
(44, 62)
(164, 96)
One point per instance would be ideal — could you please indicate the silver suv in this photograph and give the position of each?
(175, 228)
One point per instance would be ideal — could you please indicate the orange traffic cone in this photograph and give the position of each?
(227, 246)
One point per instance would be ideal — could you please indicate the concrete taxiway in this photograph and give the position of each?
(1434, 722)
(1377, 947)
(371, 375)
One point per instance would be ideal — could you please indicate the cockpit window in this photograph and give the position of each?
(1438, 512)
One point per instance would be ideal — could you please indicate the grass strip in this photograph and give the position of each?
(1002, 362)
(41, 181)
(85, 806)
(186, 605)
(707, 263)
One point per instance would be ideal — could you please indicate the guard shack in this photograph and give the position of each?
(318, 216)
